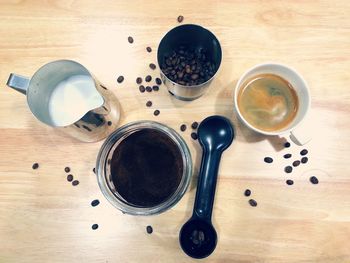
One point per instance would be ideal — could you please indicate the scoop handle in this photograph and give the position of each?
(208, 173)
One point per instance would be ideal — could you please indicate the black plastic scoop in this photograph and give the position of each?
(197, 236)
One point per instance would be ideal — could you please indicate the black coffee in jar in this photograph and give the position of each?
(146, 168)
(188, 66)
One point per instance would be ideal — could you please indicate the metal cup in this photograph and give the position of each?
(83, 108)
(194, 36)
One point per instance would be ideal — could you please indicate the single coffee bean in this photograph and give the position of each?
(194, 136)
(194, 76)
(35, 166)
(67, 169)
(313, 180)
(247, 192)
(94, 170)
(158, 81)
(95, 202)
(149, 89)
(287, 145)
(287, 155)
(138, 80)
(75, 182)
(156, 112)
(148, 78)
(252, 202)
(296, 163)
(288, 169)
(149, 103)
(94, 226)
(142, 89)
(155, 88)
(152, 66)
(304, 152)
(69, 177)
(120, 79)
(149, 49)
(180, 19)
(130, 40)
(289, 182)
(194, 125)
(304, 160)
(268, 160)
(183, 127)
(149, 230)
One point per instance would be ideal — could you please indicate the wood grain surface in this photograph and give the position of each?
(43, 218)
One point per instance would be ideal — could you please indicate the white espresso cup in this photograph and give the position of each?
(299, 85)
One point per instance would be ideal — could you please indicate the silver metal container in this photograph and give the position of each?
(103, 168)
(197, 37)
(96, 110)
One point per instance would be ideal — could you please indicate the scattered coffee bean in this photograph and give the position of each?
(94, 226)
(252, 202)
(304, 152)
(155, 88)
(149, 103)
(120, 79)
(149, 49)
(142, 89)
(268, 160)
(290, 182)
(287, 145)
(152, 66)
(95, 202)
(75, 182)
(304, 160)
(180, 19)
(247, 192)
(67, 169)
(287, 155)
(296, 163)
(138, 80)
(183, 127)
(288, 169)
(35, 166)
(130, 40)
(149, 89)
(69, 177)
(158, 81)
(149, 230)
(109, 123)
(313, 180)
(194, 136)
(148, 78)
(194, 125)
(94, 170)
(156, 112)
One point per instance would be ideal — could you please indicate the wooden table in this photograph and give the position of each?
(43, 218)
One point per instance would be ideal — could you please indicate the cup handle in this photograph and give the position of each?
(18, 82)
(300, 135)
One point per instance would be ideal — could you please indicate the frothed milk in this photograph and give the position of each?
(72, 98)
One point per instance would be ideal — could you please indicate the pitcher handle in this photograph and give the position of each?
(18, 82)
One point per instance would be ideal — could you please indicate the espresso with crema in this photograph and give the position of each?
(268, 102)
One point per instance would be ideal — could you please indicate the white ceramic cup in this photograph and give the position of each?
(299, 85)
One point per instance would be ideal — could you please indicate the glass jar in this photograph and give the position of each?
(103, 168)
